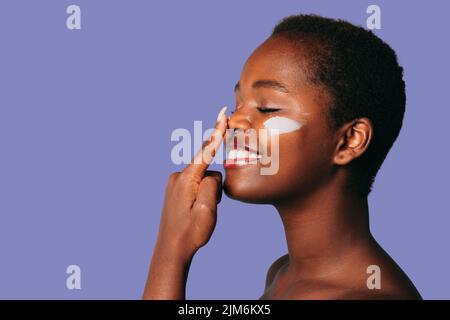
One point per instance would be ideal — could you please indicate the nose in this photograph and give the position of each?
(240, 120)
(240, 125)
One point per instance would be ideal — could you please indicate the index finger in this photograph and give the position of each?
(205, 155)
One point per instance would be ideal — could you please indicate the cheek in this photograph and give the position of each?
(304, 158)
(303, 161)
(249, 185)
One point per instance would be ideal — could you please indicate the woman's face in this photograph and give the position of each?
(272, 84)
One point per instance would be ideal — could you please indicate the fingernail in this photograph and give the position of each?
(221, 113)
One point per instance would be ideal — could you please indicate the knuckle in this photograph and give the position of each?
(210, 181)
(188, 178)
(183, 178)
(214, 173)
(217, 175)
(204, 207)
(172, 178)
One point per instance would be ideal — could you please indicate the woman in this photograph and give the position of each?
(336, 95)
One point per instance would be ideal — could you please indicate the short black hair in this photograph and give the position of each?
(363, 77)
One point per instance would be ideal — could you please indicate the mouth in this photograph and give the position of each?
(238, 157)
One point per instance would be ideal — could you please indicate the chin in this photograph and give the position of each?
(242, 190)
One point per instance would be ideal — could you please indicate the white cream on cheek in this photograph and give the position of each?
(282, 124)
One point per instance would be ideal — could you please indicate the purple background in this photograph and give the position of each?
(85, 124)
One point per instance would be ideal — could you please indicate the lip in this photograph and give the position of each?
(241, 157)
(236, 163)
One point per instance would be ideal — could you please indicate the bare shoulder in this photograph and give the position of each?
(393, 282)
(367, 278)
(332, 291)
(275, 267)
(372, 275)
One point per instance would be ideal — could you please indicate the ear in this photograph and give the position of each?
(354, 139)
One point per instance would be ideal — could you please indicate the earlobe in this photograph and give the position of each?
(354, 140)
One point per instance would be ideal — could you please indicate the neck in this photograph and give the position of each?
(324, 228)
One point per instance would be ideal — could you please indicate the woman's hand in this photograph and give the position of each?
(189, 213)
(187, 221)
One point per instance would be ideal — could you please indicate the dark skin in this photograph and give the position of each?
(326, 224)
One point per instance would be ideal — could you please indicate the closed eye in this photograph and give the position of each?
(267, 110)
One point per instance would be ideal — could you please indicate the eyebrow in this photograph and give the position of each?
(271, 84)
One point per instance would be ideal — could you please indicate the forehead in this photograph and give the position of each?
(277, 59)
(287, 62)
